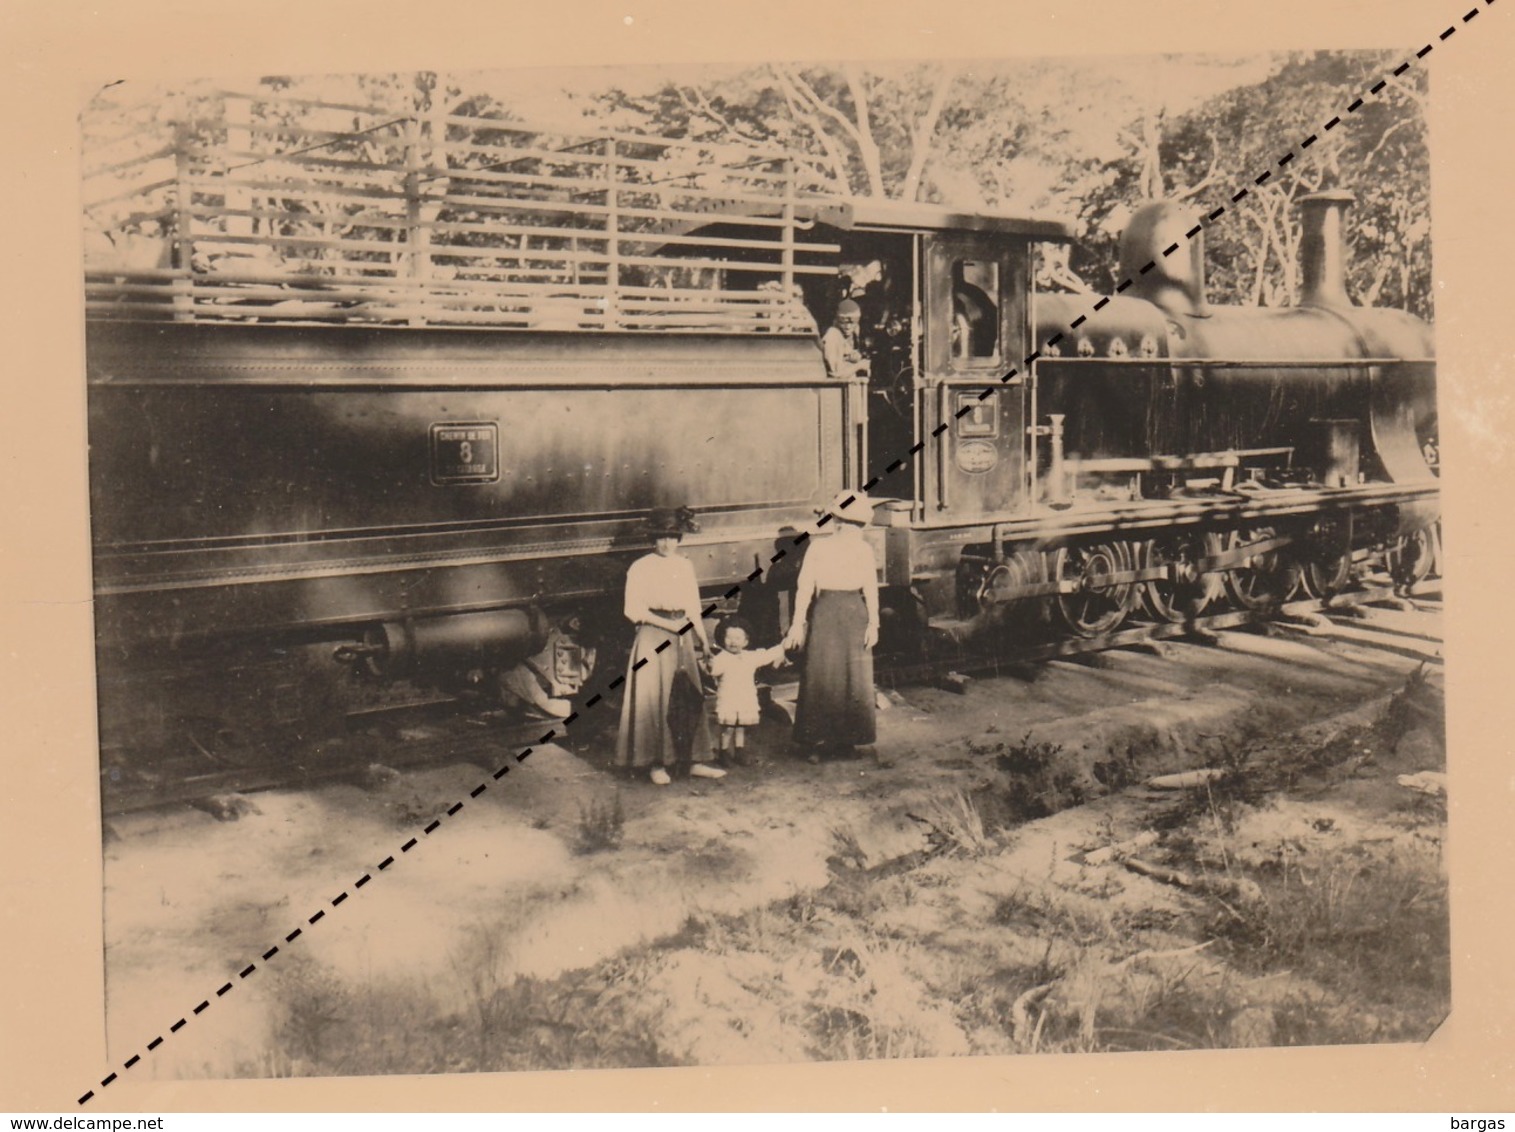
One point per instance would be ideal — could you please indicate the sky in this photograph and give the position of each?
(556, 95)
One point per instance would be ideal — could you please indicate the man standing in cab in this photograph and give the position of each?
(839, 345)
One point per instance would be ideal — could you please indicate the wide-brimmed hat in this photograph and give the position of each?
(850, 507)
(665, 522)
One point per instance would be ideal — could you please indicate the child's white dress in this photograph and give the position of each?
(736, 700)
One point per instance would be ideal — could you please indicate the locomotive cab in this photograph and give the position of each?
(945, 300)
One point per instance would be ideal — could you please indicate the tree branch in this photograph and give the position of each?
(1272, 200)
(1407, 89)
(701, 106)
(790, 89)
(925, 130)
(867, 146)
(1209, 178)
(1384, 139)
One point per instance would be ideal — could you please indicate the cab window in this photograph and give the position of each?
(975, 312)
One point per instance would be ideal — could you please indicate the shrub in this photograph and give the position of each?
(1037, 786)
(601, 825)
(956, 827)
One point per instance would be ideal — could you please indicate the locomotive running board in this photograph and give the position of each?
(1158, 514)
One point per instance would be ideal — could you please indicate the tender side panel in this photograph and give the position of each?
(231, 494)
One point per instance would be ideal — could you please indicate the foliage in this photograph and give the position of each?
(1379, 153)
(1036, 785)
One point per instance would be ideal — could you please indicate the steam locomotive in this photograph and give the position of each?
(344, 455)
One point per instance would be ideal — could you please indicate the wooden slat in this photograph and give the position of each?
(278, 98)
(152, 130)
(294, 190)
(528, 256)
(380, 220)
(360, 220)
(460, 289)
(697, 300)
(518, 255)
(587, 128)
(158, 154)
(744, 174)
(212, 239)
(533, 180)
(685, 216)
(301, 312)
(724, 265)
(511, 154)
(135, 190)
(311, 133)
(505, 205)
(161, 290)
(132, 306)
(391, 220)
(728, 293)
(709, 241)
(137, 273)
(121, 223)
(662, 188)
(251, 158)
(434, 174)
(268, 287)
(161, 281)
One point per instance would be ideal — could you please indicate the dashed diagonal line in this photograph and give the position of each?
(1209, 220)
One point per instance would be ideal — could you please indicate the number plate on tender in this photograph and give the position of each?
(465, 452)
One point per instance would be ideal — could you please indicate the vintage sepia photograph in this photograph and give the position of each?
(760, 563)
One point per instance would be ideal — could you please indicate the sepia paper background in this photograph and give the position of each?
(55, 55)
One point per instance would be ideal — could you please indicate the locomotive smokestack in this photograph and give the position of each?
(1322, 248)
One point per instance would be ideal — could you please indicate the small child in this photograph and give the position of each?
(735, 671)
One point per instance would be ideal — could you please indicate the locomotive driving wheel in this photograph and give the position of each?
(1097, 606)
(1326, 562)
(1186, 591)
(1264, 579)
(1021, 569)
(1411, 557)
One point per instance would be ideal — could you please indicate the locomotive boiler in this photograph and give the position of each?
(367, 433)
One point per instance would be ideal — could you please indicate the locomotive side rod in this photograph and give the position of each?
(1229, 559)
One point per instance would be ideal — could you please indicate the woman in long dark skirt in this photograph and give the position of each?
(663, 721)
(836, 623)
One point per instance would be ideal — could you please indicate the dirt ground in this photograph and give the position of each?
(1002, 880)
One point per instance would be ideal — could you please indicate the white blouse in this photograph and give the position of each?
(666, 584)
(840, 561)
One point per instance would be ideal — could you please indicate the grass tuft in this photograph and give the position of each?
(602, 824)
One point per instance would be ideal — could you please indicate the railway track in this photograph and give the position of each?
(1345, 616)
(447, 730)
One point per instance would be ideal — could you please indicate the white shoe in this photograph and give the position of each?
(704, 770)
(659, 776)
